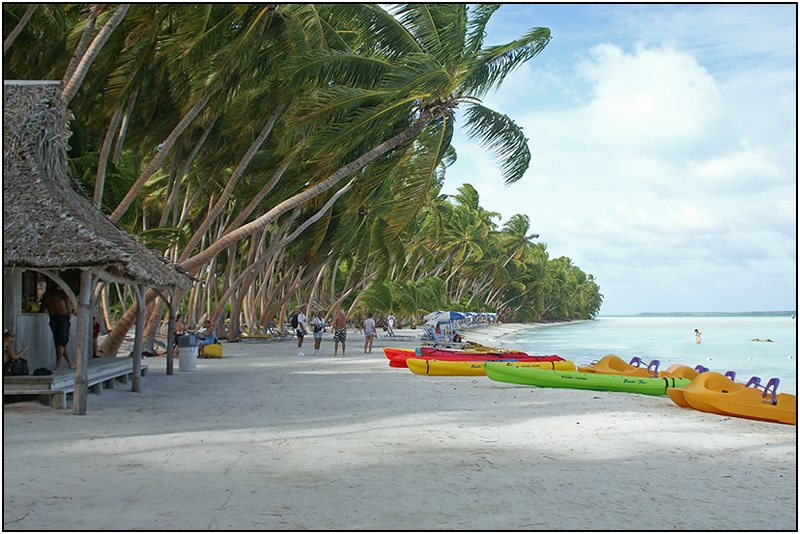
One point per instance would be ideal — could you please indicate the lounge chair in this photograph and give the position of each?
(390, 335)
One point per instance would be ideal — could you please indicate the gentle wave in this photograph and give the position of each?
(726, 343)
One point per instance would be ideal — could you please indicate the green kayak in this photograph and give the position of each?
(566, 379)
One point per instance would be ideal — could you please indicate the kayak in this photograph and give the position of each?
(400, 359)
(431, 352)
(715, 393)
(613, 365)
(576, 380)
(423, 366)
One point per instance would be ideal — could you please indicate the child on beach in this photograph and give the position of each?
(369, 332)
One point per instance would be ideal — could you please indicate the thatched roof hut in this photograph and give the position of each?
(48, 221)
(50, 225)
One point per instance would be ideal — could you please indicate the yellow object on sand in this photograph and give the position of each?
(614, 365)
(716, 393)
(214, 350)
(421, 366)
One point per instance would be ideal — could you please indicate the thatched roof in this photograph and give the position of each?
(48, 221)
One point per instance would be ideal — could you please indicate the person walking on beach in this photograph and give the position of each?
(339, 331)
(697, 334)
(302, 330)
(318, 326)
(56, 303)
(369, 332)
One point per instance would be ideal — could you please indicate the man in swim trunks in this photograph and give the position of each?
(339, 331)
(56, 303)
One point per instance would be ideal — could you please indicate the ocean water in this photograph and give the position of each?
(726, 343)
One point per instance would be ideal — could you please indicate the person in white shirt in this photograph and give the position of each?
(302, 330)
(318, 326)
(369, 332)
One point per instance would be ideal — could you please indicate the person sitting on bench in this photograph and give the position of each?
(206, 338)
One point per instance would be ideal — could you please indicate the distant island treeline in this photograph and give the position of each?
(715, 314)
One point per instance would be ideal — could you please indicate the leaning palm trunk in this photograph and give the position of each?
(114, 340)
(311, 192)
(71, 86)
(162, 153)
(276, 248)
(18, 28)
(103, 162)
(234, 179)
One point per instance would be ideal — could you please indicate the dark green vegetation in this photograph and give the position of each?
(288, 153)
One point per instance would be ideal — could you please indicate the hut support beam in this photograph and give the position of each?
(173, 310)
(83, 345)
(172, 304)
(138, 340)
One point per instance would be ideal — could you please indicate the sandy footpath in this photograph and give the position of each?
(266, 439)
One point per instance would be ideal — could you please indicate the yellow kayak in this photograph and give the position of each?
(462, 368)
(715, 393)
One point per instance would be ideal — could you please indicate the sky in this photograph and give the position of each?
(664, 150)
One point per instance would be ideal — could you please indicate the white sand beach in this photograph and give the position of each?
(269, 440)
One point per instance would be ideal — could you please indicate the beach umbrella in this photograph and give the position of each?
(443, 317)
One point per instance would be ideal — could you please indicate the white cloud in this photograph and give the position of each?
(671, 180)
(653, 98)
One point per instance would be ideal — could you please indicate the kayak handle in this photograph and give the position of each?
(654, 364)
(773, 383)
(754, 381)
(636, 361)
(700, 369)
(731, 375)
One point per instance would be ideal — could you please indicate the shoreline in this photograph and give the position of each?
(265, 439)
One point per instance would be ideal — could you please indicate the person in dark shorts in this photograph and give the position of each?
(339, 331)
(56, 303)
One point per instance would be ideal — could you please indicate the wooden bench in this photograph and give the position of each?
(52, 389)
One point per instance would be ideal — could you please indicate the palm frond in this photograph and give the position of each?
(502, 137)
(492, 65)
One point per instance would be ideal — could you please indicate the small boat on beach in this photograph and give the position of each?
(578, 380)
(613, 365)
(432, 352)
(398, 357)
(715, 393)
(422, 366)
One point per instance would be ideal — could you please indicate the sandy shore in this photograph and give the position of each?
(265, 439)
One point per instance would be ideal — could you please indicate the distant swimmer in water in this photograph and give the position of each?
(763, 340)
(697, 334)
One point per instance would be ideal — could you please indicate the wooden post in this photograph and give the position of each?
(84, 346)
(138, 340)
(171, 329)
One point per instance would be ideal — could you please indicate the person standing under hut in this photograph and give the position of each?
(339, 331)
(318, 326)
(302, 330)
(180, 329)
(56, 303)
(369, 332)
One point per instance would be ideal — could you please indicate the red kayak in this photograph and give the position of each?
(432, 352)
(397, 357)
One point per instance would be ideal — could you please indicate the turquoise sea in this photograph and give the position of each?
(726, 343)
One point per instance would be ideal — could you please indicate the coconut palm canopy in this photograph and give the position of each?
(48, 221)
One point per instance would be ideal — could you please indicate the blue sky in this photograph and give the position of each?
(664, 150)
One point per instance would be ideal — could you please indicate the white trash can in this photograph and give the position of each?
(187, 352)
